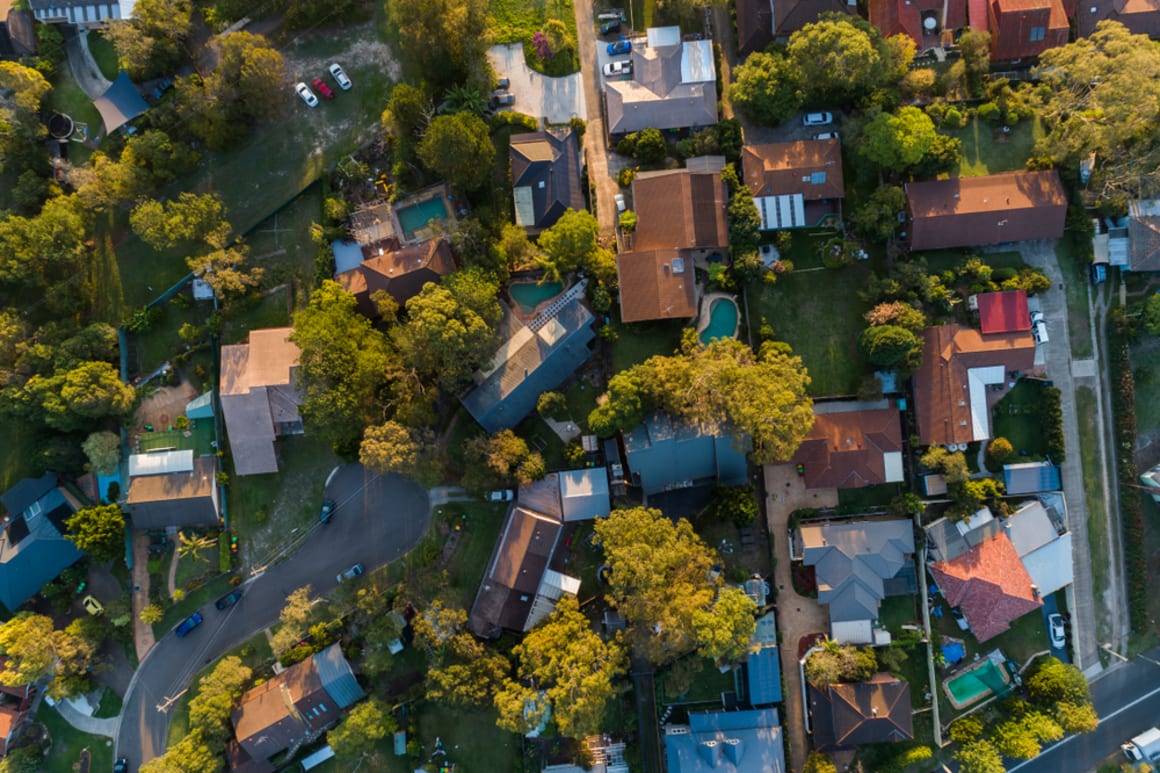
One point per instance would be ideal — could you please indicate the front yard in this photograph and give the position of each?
(1017, 419)
(67, 743)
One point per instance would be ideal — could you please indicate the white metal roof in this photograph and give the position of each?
(663, 36)
(160, 463)
(784, 211)
(978, 379)
(893, 463)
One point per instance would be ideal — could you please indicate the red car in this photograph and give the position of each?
(321, 87)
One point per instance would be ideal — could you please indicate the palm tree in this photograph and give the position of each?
(194, 546)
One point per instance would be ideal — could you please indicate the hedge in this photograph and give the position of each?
(1131, 513)
(1051, 424)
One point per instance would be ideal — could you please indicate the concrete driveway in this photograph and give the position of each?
(558, 100)
(1050, 608)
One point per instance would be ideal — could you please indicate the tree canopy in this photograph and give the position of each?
(357, 735)
(36, 650)
(458, 148)
(445, 39)
(898, 141)
(567, 246)
(98, 531)
(766, 88)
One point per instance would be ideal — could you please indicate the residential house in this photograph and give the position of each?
(663, 453)
(172, 488)
(1141, 17)
(849, 715)
(673, 86)
(33, 548)
(997, 208)
(990, 584)
(91, 14)
(401, 271)
(962, 375)
(1043, 544)
(1002, 312)
(760, 22)
(680, 219)
(1022, 29)
(851, 448)
(946, 540)
(726, 742)
(929, 23)
(545, 178)
(15, 711)
(259, 397)
(536, 356)
(1144, 235)
(523, 581)
(763, 666)
(794, 184)
(1030, 478)
(857, 564)
(295, 706)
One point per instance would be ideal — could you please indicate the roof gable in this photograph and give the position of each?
(812, 168)
(679, 209)
(545, 178)
(852, 560)
(850, 449)
(848, 715)
(990, 584)
(1003, 312)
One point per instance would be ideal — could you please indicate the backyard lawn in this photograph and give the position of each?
(67, 743)
(988, 150)
(1017, 419)
(705, 687)
(471, 739)
(476, 540)
(105, 55)
(867, 496)
(638, 341)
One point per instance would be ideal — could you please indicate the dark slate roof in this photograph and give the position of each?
(1144, 235)
(546, 175)
(120, 103)
(25, 493)
(662, 452)
(849, 715)
(852, 561)
(337, 678)
(32, 548)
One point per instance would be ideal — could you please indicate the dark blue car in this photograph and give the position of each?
(188, 624)
(620, 47)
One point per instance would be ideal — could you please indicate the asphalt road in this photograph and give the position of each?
(378, 518)
(1127, 698)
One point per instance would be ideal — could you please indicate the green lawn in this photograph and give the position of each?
(852, 499)
(1093, 487)
(66, 97)
(1146, 639)
(191, 567)
(67, 743)
(1017, 419)
(819, 314)
(939, 261)
(581, 397)
(477, 538)
(16, 450)
(896, 611)
(1076, 288)
(1146, 367)
(105, 55)
(471, 739)
(544, 439)
(515, 21)
(637, 341)
(110, 705)
(987, 150)
(706, 686)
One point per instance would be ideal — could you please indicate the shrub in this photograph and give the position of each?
(552, 405)
(512, 118)
(578, 125)
(628, 221)
(625, 177)
(989, 111)
(1051, 424)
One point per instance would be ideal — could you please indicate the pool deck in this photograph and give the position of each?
(704, 317)
(993, 658)
(437, 191)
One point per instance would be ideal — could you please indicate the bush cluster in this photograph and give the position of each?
(1051, 424)
(1132, 515)
(512, 118)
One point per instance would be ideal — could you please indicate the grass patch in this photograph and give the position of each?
(464, 429)
(544, 439)
(1146, 639)
(105, 55)
(16, 449)
(515, 21)
(819, 314)
(896, 611)
(1076, 288)
(470, 737)
(856, 499)
(638, 341)
(67, 743)
(939, 261)
(988, 150)
(705, 687)
(110, 705)
(67, 97)
(1145, 354)
(477, 537)
(642, 13)
(1093, 487)
(581, 397)
(195, 566)
(1017, 419)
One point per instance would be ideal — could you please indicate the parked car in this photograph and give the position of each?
(503, 100)
(350, 574)
(621, 205)
(307, 95)
(92, 606)
(339, 76)
(121, 765)
(608, 27)
(501, 495)
(620, 47)
(188, 624)
(828, 136)
(1039, 332)
(327, 511)
(1037, 316)
(322, 88)
(160, 546)
(961, 621)
(228, 600)
(613, 69)
(503, 84)
(818, 119)
(1056, 631)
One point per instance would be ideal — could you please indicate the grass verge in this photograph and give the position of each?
(1075, 286)
(67, 743)
(1093, 487)
(193, 600)
(110, 705)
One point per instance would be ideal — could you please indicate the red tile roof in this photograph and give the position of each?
(989, 584)
(905, 17)
(977, 13)
(789, 167)
(1012, 23)
(847, 450)
(679, 209)
(1004, 312)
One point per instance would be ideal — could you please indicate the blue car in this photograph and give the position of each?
(620, 47)
(188, 624)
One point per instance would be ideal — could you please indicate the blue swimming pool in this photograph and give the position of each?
(414, 217)
(529, 295)
(722, 320)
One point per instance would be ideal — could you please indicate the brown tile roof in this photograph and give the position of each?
(658, 284)
(789, 167)
(791, 15)
(1141, 17)
(402, 272)
(272, 716)
(905, 17)
(942, 398)
(849, 715)
(679, 209)
(1003, 312)
(990, 584)
(1011, 23)
(848, 450)
(176, 498)
(258, 393)
(969, 211)
(754, 25)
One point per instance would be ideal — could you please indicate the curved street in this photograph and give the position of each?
(378, 519)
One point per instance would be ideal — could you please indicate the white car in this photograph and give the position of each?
(1039, 332)
(502, 495)
(1056, 632)
(828, 136)
(621, 205)
(307, 95)
(622, 67)
(1037, 316)
(339, 76)
(817, 119)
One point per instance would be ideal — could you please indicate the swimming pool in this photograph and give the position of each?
(529, 295)
(722, 320)
(976, 684)
(414, 217)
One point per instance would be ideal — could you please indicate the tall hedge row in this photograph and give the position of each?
(1131, 513)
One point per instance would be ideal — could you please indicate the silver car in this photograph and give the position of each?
(307, 95)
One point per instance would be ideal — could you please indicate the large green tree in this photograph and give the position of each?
(217, 692)
(979, 757)
(191, 217)
(104, 452)
(76, 398)
(35, 251)
(445, 40)
(766, 88)
(152, 43)
(567, 246)
(357, 735)
(897, 142)
(98, 531)
(887, 346)
(393, 447)
(660, 580)
(36, 650)
(458, 147)
(499, 460)
(836, 59)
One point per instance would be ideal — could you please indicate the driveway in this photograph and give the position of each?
(378, 519)
(557, 100)
(602, 165)
(83, 67)
(1049, 608)
(797, 616)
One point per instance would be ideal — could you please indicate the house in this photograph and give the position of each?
(15, 710)
(680, 219)
(172, 488)
(663, 453)
(673, 86)
(849, 715)
(1021, 29)
(1003, 312)
(857, 564)
(545, 178)
(997, 208)
(522, 582)
(1030, 478)
(962, 375)
(794, 184)
(851, 448)
(763, 666)
(536, 356)
(989, 584)
(1144, 235)
(1043, 544)
(33, 548)
(929, 23)
(400, 271)
(726, 742)
(760, 22)
(259, 398)
(91, 14)
(295, 706)
(1141, 17)
(946, 540)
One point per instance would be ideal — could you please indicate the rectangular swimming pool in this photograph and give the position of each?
(415, 217)
(978, 683)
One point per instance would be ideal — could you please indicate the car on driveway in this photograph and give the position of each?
(92, 606)
(339, 76)
(614, 69)
(828, 136)
(503, 100)
(307, 95)
(501, 495)
(620, 47)
(350, 574)
(188, 624)
(621, 204)
(228, 600)
(609, 27)
(1037, 316)
(1055, 631)
(321, 87)
(121, 765)
(503, 84)
(327, 511)
(817, 119)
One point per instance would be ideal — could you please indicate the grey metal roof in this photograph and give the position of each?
(853, 559)
(672, 87)
(337, 678)
(1030, 478)
(726, 742)
(584, 494)
(947, 540)
(663, 452)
